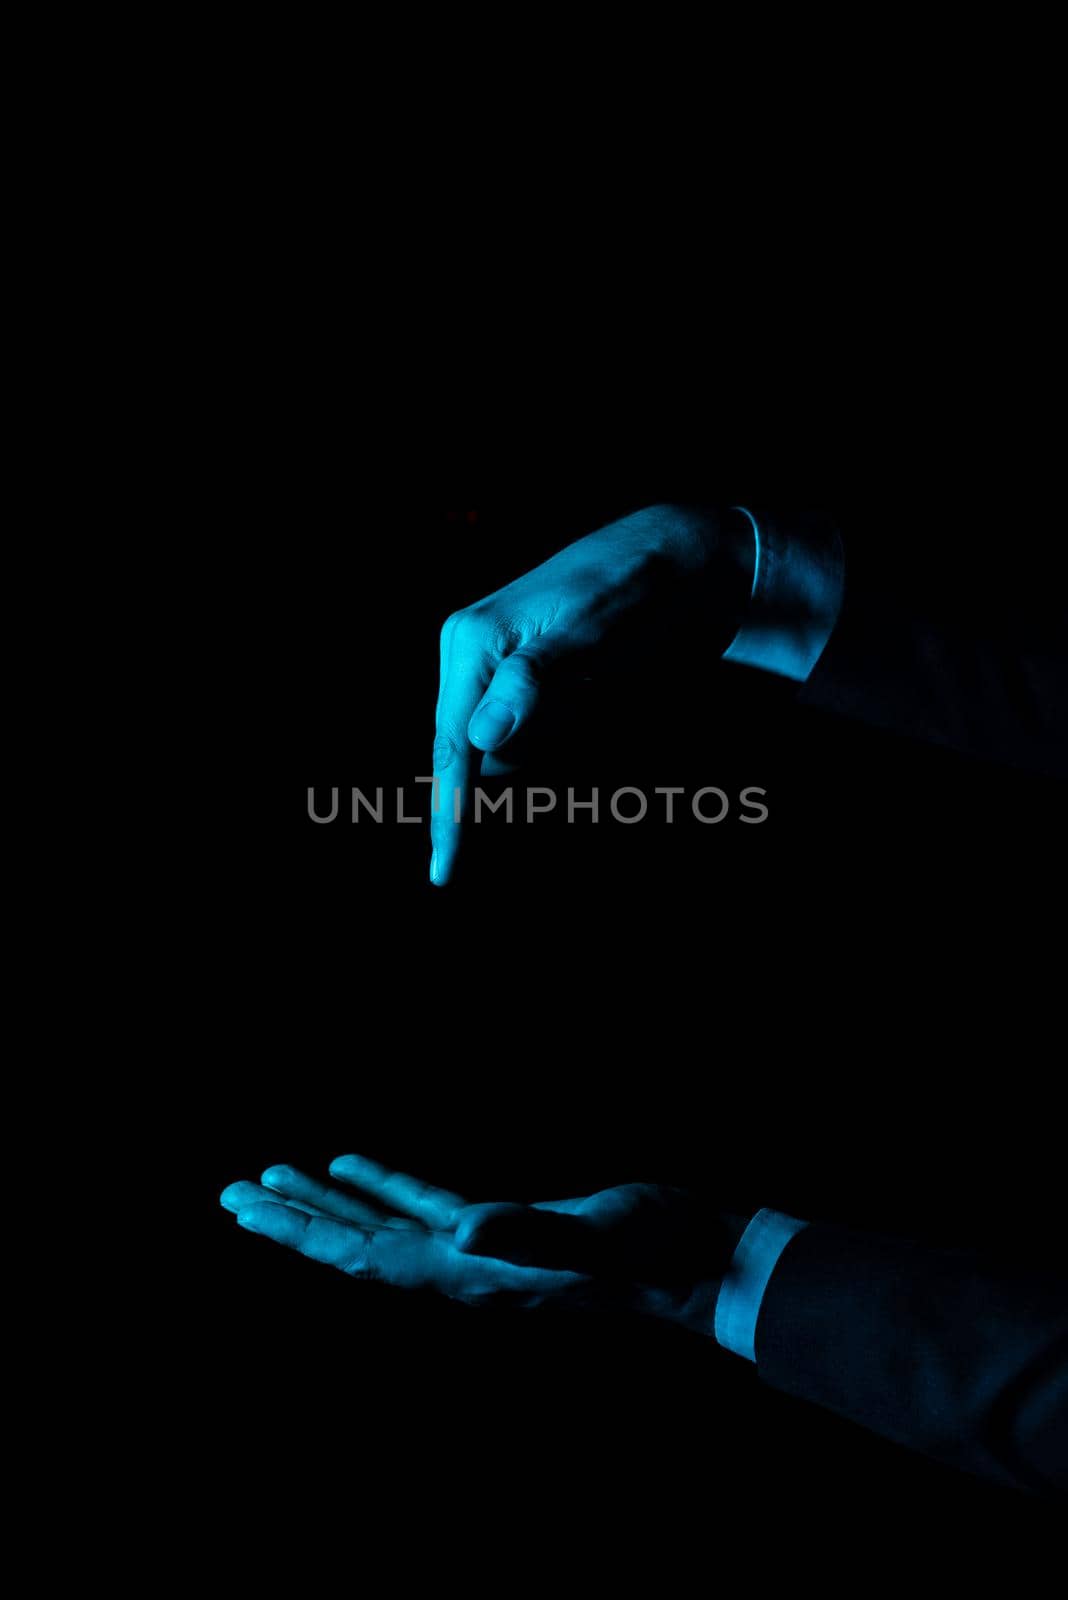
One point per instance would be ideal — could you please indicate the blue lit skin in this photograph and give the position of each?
(639, 1248)
(608, 593)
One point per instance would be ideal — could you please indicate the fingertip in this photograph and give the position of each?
(253, 1217)
(350, 1167)
(230, 1198)
(440, 868)
(264, 1216)
(491, 725)
(275, 1177)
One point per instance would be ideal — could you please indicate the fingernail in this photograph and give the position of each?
(491, 724)
(434, 867)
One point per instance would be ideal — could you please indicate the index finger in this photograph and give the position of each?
(435, 1207)
(464, 676)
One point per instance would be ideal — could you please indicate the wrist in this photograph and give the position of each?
(717, 538)
(692, 1304)
(796, 595)
(712, 550)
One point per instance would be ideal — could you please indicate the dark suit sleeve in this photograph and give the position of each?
(959, 1357)
(975, 662)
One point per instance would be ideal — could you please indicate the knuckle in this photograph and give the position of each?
(464, 625)
(509, 633)
(444, 751)
(359, 1262)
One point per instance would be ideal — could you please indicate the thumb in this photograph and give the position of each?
(512, 696)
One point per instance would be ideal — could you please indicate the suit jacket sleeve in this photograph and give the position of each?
(962, 1358)
(970, 655)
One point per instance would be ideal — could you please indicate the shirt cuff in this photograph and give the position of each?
(742, 1290)
(798, 579)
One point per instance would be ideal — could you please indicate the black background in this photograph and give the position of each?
(844, 1013)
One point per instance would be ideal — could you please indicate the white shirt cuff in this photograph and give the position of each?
(798, 581)
(742, 1290)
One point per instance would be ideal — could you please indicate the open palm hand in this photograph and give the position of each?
(643, 1248)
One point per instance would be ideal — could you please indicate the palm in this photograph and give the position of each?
(638, 1247)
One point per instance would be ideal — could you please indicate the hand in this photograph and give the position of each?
(641, 1247)
(606, 597)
